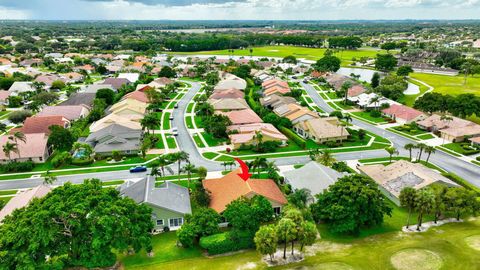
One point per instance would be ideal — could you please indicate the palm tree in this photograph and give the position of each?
(179, 157)
(347, 118)
(231, 164)
(342, 127)
(149, 122)
(429, 150)
(407, 199)
(8, 148)
(163, 163)
(421, 147)
(445, 118)
(375, 101)
(409, 147)
(18, 135)
(258, 137)
(424, 204)
(189, 169)
(326, 158)
(225, 164)
(49, 178)
(258, 163)
(3, 128)
(391, 151)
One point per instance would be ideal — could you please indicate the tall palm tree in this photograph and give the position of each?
(409, 147)
(347, 118)
(258, 163)
(421, 147)
(49, 178)
(179, 157)
(225, 164)
(445, 118)
(424, 204)
(408, 197)
(375, 101)
(163, 163)
(149, 122)
(189, 169)
(258, 137)
(429, 150)
(326, 158)
(18, 135)
(391, 151)
(8, 148)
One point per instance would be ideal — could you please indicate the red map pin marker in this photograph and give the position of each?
(245, 175)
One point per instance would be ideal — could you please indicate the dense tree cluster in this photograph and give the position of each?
(463, 105)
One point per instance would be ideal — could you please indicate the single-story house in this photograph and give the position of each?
(314, 177)
(160, 82)
(41, 124)
(231, 187)
(337, 80)
(403, 114)
(228, 93)
(295, 113)
(275, 86)
(241, 117)
(475, 141)
(22, 199)
(130, 108)
(115, 119)
(169, 202)
(48, 79)
(70, 112)
(138, 95)
(4, 97)
(21, 87)
(356, 90)
(228, 81)
(116, 83)
(453, 129)
(115, 138)
(245, 134)
(34, 148)
(365, 101)
(79, 99)
(73, 77)
(321, 130)
(228, 104)
(93, 88)
(275, 101)
(400, 174)
(132, 77)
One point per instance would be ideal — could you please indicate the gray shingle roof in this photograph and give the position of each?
(79, 98)
(169, 196)
(115, 137)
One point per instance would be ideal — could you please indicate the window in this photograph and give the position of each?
(276, 210)
(159, 222)
(176, 222)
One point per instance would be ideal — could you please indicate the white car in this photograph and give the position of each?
(175, 131)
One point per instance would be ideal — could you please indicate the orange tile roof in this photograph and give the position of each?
(229, 93)
(246, 116)
(402, 112)
(40, 124)
(356, 90)
(137, 95)
(231, 187)
(35, 146)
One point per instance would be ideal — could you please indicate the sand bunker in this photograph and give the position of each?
(410, 259)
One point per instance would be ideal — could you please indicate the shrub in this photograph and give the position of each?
(375, 113)
(12, 167)
(82, 162)
(17, 117)
(63, 158)
(294, 137)
(227, 242)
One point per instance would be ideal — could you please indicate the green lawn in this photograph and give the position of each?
(198, 141)
(292, 146)
(299, 52)
(171, 105)
(409, 100)
(332, 95)
(188, 121)
(425, 136)
(170, 141)
(209, 155)
(8, 192)
(198, 121)
(457, 147)
(166, 121)
(341, 105)
(189, 107)
(212, 141)
(368, 117)
(452, 85)
(159, 144)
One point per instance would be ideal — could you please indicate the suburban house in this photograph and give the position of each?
(34, 148)
(337, 80)
(452, 129)
(245, 134)
(116, 83)
(228, 104)
(356, 90)
(229, 81)
(79, 99)
(41, 124)
(132, 77)
(73, 77)
(160, 82)
(322, 130)
(367, 101)
(274, 101)
(4, 97)
(130, 108)
(241, 117)
(400, 174)
(275, 86)
(70, 112)
(48, 79)
(22, 199)
(114, 119)
(261, 75)
(228, 93)
(314, 177)
(403, 114)
(169, 202)
(295, 112)
(115, 138)
(21, 87)
(138, 95)
(231, 187)
(93, 88)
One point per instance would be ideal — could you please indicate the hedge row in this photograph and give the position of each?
(13, 167)
(461, 181)
(294, 137)
(226, 242)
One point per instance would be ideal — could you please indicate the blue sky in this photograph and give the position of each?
(239, 9)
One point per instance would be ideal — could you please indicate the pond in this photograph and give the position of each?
(367, 74)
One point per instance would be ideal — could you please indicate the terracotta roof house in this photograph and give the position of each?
(130, 108)
(228, 104)
(34, 148)
(115, 138)
(295, 112)
(403, 114)
(400, 174)
(453, 129)
(116, 83)
(73, 77)
(274, 82)
(79, 99)
(459, 134)
(228, 93)
(160, 82)
(22, 199)
(21, 87)
(114, 119)
(4, 97)
(231, 187)
(356, 90)
(278, 90)
(40, 124)
(314, 177)
(137, 95)
(337, 80)
(240, 117)
(275, 101)
(48, 79)
(93, 88)
(229, 81)
(71, 112)
(321, 130)
(246, 134)
(169, 202)
(87, 68)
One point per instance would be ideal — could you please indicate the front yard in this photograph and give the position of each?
(463, 148)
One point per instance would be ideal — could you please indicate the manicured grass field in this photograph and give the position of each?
(212, 141)
(188, 122)
(209, 155)
(198, 141)
(189, 107)
(159, 144)
(340, 104)
(166, 121)
(198, 121)
(170, 141)
(452, 85)
(332, 95)
(368, 117)
(299, 52)
(409, 100)
(8, 192)
(426, 136)
(457, 147)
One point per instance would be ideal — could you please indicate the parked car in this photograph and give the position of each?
(138, 169)
(175, 131)
(171, 117)
(175, 106)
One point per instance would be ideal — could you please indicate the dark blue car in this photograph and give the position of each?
(138, 169)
